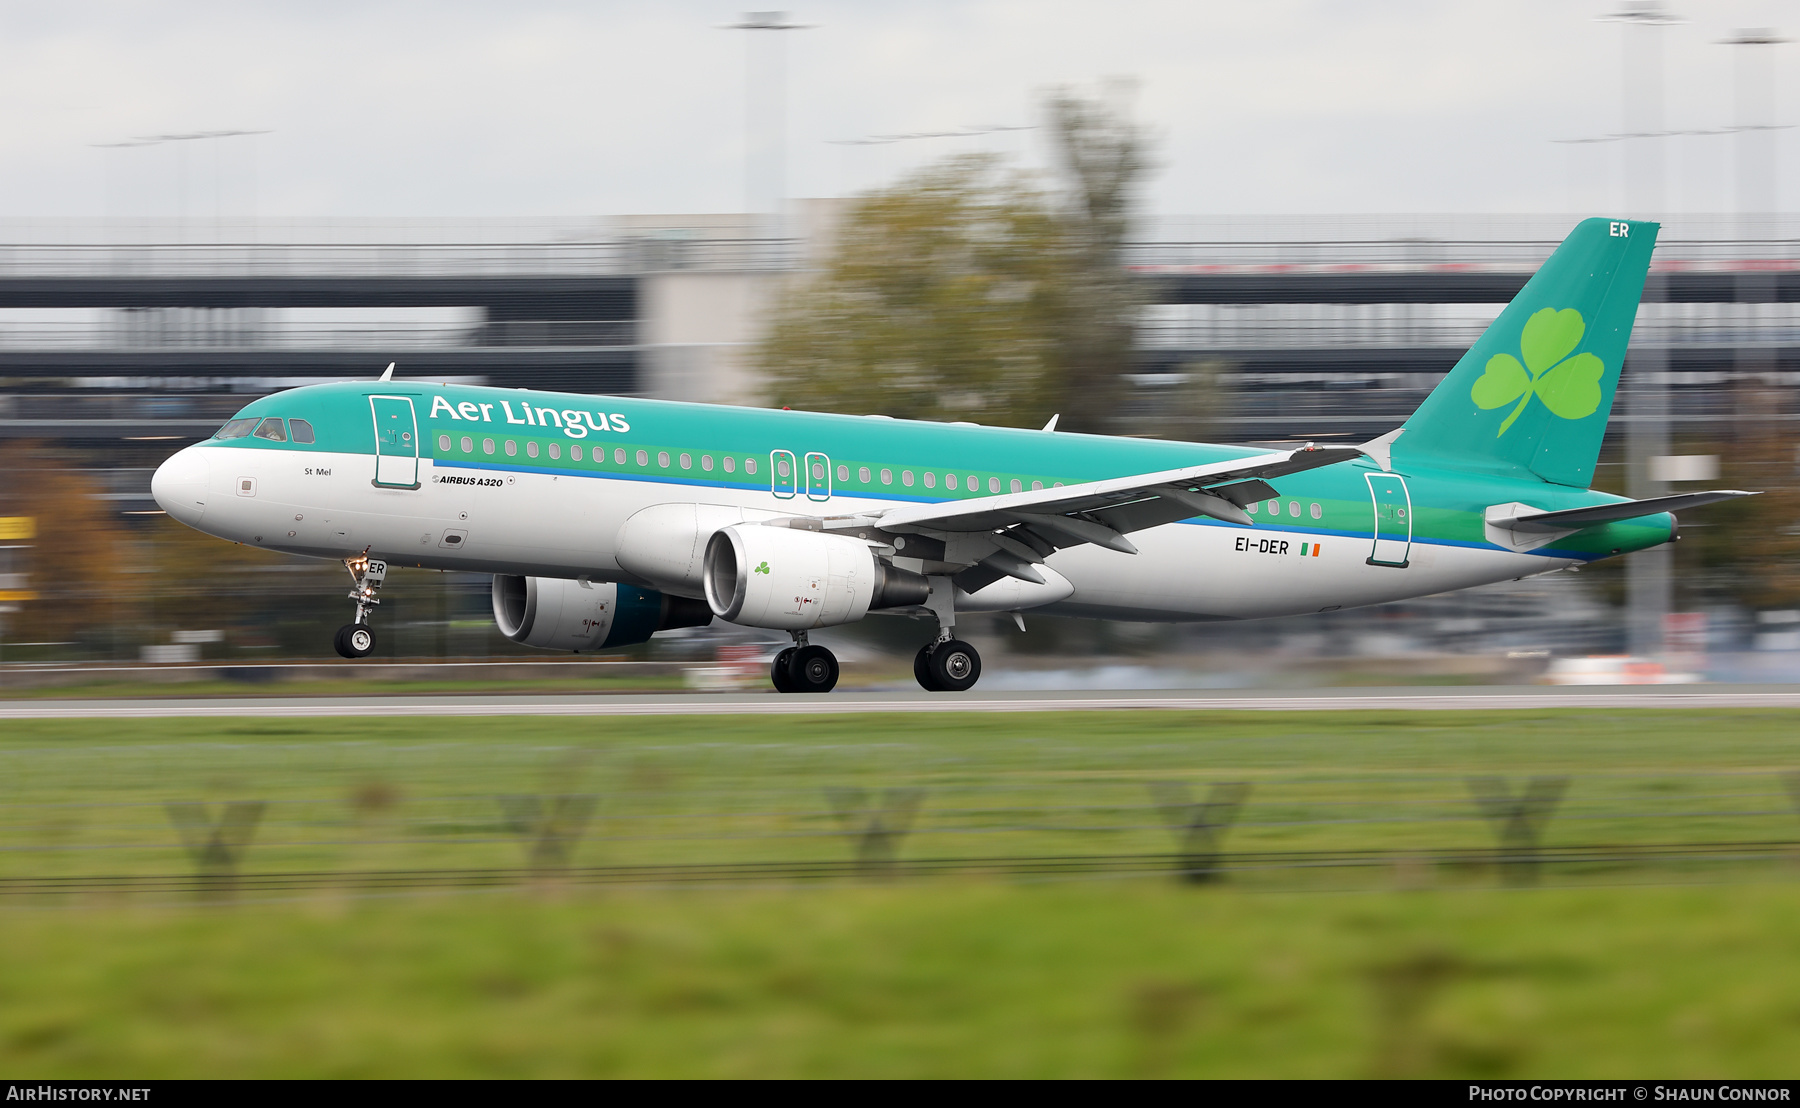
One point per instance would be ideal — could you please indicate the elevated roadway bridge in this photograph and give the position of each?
(1329, 327)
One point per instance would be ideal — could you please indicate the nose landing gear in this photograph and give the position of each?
(356, 639)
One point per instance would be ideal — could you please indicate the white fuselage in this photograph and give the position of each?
(567, 526)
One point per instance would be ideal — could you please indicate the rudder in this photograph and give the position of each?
(1533, 395)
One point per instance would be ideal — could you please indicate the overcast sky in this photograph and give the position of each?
(541, 108)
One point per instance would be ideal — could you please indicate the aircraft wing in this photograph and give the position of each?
(1013, 531)
(1573, 519)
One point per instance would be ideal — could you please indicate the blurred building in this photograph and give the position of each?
(120, 341)
(1337, 326)
(1327, 327)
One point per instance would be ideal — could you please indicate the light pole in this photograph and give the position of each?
(1649, 588)
(765, 115)
(1755, 128)
(181, 170)
(1753, 284)
(218, 173)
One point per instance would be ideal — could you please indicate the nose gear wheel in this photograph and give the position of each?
(355, 640)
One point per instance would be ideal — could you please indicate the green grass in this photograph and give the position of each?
(948, 980)
(1672, 971)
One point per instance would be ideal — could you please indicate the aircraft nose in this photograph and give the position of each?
(179, 485)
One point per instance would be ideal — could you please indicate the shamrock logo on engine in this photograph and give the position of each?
(1568, 386)
(764, 568)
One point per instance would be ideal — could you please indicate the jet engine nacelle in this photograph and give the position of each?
(556, 614)
(793, 580)
(664, 545)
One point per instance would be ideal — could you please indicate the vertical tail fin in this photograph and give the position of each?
(1533, 395)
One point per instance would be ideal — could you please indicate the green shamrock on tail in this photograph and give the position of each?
(1569, 387)
(764, 568)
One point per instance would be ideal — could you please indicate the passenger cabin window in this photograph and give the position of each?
(468, 445)
(555, 450)
(301, 430)
(844, 473)
(643, 458)
(730, 465)
(444, 443)
(906, 478)
(236, 429)
(749, 465)
(887, 476)
(619, 456)
(531, 450)
(1016, 487)
(662, 458)
(931, 480)
(272, 430)
(706, 462)
(687, 461)
(512, 448)
(487, 446)
(863, 475)
(575, 452)
(949, 480)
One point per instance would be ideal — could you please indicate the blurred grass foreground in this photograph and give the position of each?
(1313, 894)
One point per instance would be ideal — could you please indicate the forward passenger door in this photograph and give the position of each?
(396, 442)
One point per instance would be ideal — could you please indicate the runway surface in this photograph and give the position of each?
(1475, 698)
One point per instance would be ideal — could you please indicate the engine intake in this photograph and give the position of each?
(552, 613)
(793, 580)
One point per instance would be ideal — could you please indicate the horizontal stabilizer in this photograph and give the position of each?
(1574, 519)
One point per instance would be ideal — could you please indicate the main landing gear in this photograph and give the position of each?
(356, 639)
(946, 663)
(804, 668)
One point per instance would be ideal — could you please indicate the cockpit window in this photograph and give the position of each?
(235, 429)
(301, 429)
(272, 430)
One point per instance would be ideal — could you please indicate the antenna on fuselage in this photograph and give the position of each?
(388, 373)
(1051, 426)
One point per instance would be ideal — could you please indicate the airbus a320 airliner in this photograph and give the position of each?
(605, 520)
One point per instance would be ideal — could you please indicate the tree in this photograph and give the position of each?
(1103, 159)
(77, 563)
(967, 291)
(1749, 550)
(938, 303)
